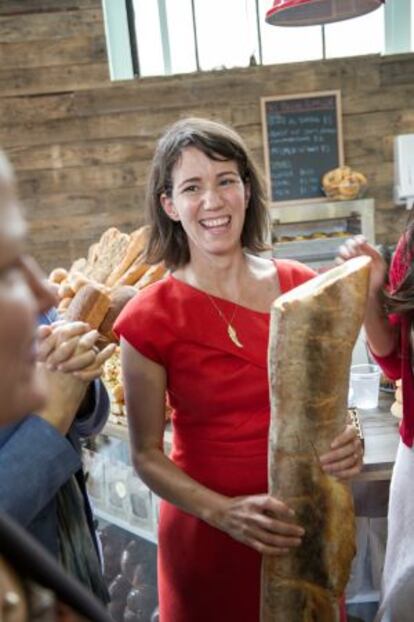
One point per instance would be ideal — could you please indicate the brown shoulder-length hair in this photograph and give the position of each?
(167, 238)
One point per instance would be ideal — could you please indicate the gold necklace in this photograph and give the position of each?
(231, 331)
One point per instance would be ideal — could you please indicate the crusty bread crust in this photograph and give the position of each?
(154, 273)
(118, 299)
(90, 305)
(137, 243)
(313, 329)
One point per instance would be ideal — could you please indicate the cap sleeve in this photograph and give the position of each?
(145, 323)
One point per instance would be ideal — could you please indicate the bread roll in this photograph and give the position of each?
(312, 333)
(77, 280)
(63, 304)
(90, 305)
(118, 299)
(65, 290)
(58, 275)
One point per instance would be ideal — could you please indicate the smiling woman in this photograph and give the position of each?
(201, 335)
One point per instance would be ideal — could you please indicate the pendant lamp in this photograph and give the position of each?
(312, 12)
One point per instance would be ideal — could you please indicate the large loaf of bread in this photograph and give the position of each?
(90, 304)
(312, 334)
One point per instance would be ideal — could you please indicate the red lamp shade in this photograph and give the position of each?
(311, 12)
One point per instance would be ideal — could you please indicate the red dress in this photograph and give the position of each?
(220, 399)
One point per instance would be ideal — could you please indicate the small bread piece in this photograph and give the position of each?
(135, 272)
(58, 275)
(119, 297)
(77, 281)
(154, 273)
(63, 304)
(89, 305)
(65, 290)
(118, 393)
(137, 243)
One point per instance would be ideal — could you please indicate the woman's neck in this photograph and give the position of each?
(220, 275)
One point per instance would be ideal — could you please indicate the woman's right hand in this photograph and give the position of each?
(262, 522)
(358, 245)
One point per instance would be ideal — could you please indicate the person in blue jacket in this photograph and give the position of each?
(33, 584)
(42, 484)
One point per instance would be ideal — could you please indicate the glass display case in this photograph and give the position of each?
(127, 519)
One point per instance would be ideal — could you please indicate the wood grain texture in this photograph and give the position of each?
(59, 111)
(312, 333)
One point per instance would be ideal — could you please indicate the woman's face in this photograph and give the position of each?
(22, 296)
(209, 198)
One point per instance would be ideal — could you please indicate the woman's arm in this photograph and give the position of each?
(381, 334)
(260, 521)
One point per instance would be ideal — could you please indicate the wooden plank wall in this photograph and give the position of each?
(81, 145)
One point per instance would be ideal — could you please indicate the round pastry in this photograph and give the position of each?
(58, 275)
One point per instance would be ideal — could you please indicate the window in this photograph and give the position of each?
(180, 36)
(352, 37)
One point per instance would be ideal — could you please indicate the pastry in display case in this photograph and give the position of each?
(126, 515)
(130, 572)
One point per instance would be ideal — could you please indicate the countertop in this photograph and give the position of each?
(380, 430)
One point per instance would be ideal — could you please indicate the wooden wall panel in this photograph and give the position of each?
(81, 145)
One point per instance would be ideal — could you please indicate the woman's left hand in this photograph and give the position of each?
(344, 460)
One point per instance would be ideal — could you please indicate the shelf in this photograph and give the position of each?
(123, 524)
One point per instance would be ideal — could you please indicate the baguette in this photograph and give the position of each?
(118, 299)
(313, 329)
(90, 305)
(154, 273)
(135, 272)
(137, 243)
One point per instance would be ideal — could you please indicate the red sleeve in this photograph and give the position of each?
(145, 322)
(292, 273)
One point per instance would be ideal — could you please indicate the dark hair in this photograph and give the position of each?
(402, 299)
(167, 239)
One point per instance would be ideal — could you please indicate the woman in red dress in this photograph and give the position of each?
(201, 335)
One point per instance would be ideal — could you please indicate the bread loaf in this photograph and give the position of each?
(90, 305)
(108, 253)
(119, 297)
(312, 333)
(137, 243)
(135, 272)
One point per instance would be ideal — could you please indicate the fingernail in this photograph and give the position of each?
(292, 513)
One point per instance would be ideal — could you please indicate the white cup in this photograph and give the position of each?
(364, 386)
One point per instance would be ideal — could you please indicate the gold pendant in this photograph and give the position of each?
(233, 336)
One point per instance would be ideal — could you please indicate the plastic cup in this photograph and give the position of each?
(364, 386)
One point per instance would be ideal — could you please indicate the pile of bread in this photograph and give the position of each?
(96, 288)
(343, 183)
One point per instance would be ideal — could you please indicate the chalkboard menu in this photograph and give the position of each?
(302, 137)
